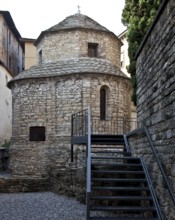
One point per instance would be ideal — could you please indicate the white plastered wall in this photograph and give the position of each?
(5, 107)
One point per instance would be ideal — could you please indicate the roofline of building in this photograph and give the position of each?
(11, 24)
(74, 28)
(123, 33)
(12, 81)
(158, 14)
(24, 40)
(28, 40)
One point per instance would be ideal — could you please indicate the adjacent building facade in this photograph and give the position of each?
(11, 63)
(124, 60)
(29, 52)
(124, 52)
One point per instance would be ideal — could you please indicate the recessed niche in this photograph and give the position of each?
(37, 133)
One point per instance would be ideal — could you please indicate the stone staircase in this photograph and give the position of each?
(121, 188)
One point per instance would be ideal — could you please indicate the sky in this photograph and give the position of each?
(33, 16)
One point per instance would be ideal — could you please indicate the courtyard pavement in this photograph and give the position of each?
(40, 206)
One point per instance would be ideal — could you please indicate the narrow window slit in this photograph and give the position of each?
(102, 104)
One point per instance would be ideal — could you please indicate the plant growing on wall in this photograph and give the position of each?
(137, 16)
(6, 144)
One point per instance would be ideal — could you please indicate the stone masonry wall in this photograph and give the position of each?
(50, 103)
(74, 44)
(10, 184)
(156, 99)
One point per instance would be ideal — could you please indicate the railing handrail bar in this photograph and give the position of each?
(88, 187)
(156, 157)
(151, 189)
(79, 112)
(117, 117)
(128, 149)
(135, 131)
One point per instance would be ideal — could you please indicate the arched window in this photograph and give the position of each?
(102, 104)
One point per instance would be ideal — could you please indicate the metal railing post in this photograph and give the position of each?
(89, 153)
(88, 175)
(127, 147)
(72, 146)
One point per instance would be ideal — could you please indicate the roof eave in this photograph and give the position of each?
(11, 23)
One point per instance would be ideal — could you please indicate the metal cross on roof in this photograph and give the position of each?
(79, 12)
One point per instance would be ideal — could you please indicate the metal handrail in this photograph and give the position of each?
(127, 147)
(156, 157)
(78, 126)
(79, 123)
(109, 125)
(112, 125)
(81, 126)
(151, 189)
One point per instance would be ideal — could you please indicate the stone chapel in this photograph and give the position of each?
(78, 64)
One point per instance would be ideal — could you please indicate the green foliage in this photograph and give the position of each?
(137, 16)
(6, 144)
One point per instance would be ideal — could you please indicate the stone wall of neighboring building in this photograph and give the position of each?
(156, 99)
